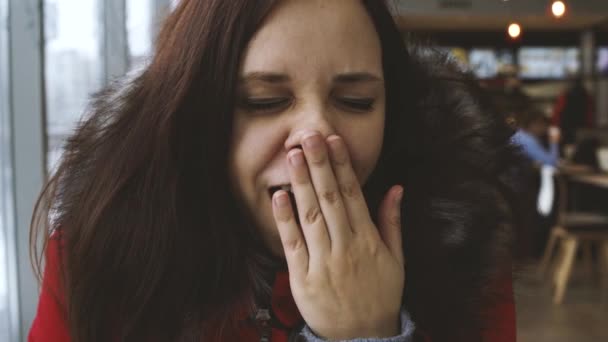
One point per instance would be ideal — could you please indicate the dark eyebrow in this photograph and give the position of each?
(267, 77)
(357, 77)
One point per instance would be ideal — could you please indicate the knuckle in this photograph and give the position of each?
(394, 221)
(312, 215)
(349, 189)
(283, 216)
(293, 245)
(374, 249)
(330, 196)
(340, 159)
(301, 177)
(301, 180)
(318, 160)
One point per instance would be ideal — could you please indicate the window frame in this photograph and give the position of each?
(7, 202)
(28, 147)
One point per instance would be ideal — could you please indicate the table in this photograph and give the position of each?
(596, 179)
(584, 174)
(571, 169)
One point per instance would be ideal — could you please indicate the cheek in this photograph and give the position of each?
(254, 147)
(237, 168)
(242, 161)
(364, 143)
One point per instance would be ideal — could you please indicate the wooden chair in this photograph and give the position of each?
(572, 230)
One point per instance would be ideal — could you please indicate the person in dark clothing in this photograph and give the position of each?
(574, 109)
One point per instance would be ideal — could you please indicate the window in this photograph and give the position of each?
(602, 61)
(84, 49)
(483, 63)
(549, 63)
(140, 30)
(6, 180)
(488, 63)
(73, 66)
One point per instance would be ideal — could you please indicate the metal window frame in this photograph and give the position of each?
(28, 147)
(115, 49)
(7, 180)
(160, 9)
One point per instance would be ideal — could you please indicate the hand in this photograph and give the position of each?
(554, 135)
(346, 276)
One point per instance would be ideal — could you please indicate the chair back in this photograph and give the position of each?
(561, 181)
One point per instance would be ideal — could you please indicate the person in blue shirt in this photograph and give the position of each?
(533, 126)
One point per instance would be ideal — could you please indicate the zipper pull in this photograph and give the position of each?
(262, 318)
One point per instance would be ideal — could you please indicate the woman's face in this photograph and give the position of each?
(314, 65)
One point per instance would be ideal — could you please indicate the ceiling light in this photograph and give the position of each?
(514, 30)
(558, 8)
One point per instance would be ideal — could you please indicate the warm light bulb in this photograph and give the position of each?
(558, 8)
(514, 30)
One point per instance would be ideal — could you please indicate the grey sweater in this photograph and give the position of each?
(406, 335)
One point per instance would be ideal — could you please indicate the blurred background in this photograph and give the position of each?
(545, 64)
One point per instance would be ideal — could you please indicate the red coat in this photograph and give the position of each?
(50, 324)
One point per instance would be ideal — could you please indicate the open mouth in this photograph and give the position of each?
(292, 198)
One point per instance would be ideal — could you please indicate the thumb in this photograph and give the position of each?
(389, 220)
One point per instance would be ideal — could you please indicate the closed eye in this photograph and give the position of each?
(264, 104)
(356, 104)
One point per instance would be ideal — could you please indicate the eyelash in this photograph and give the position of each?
(271, 104)
(358, 105)
(264, 105)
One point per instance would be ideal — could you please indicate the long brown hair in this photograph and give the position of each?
(140, 199)
(155, 247)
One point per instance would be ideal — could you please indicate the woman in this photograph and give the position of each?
(247, 185)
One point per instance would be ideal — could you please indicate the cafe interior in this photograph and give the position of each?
(543, 59)
(532, 55)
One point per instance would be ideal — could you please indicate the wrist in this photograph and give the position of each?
(381, 329)
(388, 328)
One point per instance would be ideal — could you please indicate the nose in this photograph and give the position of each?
(311, 122)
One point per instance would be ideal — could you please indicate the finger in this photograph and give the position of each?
(350, 189)
(311, 217)
(294, 245)
(326, 189)
(389, 221)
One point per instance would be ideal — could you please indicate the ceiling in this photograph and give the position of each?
(497, 14)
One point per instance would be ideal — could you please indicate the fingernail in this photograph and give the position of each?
(296, 158)
(333, 142)
(281, 200)
(399, 196)
(312, 141)
(336, 149)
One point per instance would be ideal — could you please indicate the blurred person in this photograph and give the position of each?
(247, 185)
(532, 133)
(573, 109)
(533, 128)
(511, 100)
